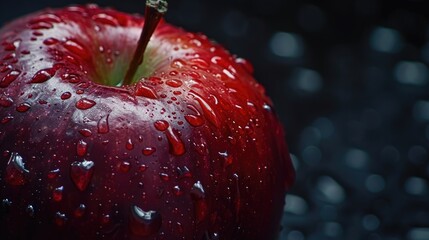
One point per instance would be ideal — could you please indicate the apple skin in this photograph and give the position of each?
(192, 150)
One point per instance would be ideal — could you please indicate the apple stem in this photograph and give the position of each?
(154, 11)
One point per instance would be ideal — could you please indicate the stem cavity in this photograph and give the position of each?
(154, 11)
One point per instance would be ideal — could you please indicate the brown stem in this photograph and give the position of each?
(154, 11)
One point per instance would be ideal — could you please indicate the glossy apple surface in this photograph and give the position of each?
(192, 149)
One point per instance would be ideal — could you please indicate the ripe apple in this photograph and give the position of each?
(186, 146)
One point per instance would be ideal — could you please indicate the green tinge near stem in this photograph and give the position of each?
(154, 11)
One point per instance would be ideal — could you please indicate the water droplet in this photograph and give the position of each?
(145, 91)
(43, 75)
(148, 151)
(103, 124)
(81, 148)
(124, 167)
(177, 191)
(47, 17)
(6, 68)
(15, 170)
(143, 223)
(200, 204)
(79, 211)
(30, 210)
(6, 101)
(85, 132)
(85, 103)
(53, 173)
(60, 219)
(184, 172)
(41, 25)
(50, 41)
(72, 78)
(142, 167)
(9, 46)
(9, 78)
(81, 173)
(194, 120)
(208, 111)
(161, 125)
(106, 19)
(178, 64)
(65, 95)
(177, 147)
(77, 48)
(57, 194)
(200, 63)
(174, 83)
(246, 64)
(164, 176)
(6, 119)
(129, 144)
(228, 159)
(23, 107)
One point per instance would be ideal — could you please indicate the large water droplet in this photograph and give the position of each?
(208, 111)
(81, 173)
(65, 95)
(15, 170)
(194, 120)
(50, 41)
(148, 151)
(200, 63)
(43, 75)
(103, 124)
(177, 147)
(174, 83)
(105, 19)
(9, 78)
(77, 48)
(23, 107)
(144, 223)
(161, 125)
(81, 148)
(85, 103)
(145, 91)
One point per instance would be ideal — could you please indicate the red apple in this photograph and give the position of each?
(188, 148)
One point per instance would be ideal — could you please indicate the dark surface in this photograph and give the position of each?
(350, 81)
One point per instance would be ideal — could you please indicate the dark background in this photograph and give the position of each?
(350, 81)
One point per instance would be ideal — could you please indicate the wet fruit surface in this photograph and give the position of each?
(190, 150)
